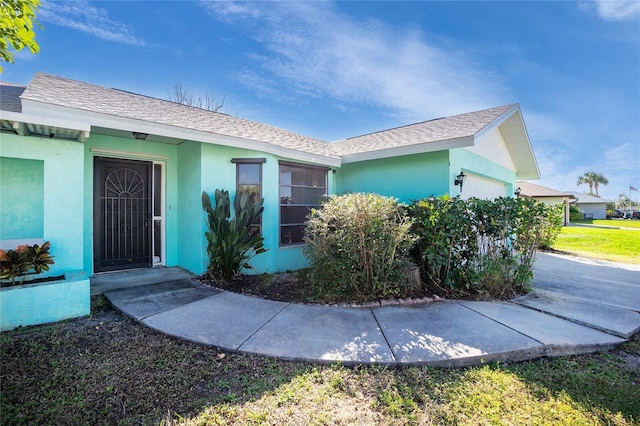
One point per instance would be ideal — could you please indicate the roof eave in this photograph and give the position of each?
(179, 133)
(408, 150)
(21, 122)
(513, 129)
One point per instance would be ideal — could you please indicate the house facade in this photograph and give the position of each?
(114, 179)
(590, 206)
(548, 196)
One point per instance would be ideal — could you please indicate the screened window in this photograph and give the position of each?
(249, 179)
(302, 188)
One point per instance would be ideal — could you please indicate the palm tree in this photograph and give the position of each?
(599, 179)
(594, 180)
(587, 178)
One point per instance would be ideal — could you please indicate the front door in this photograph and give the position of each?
(122, 214)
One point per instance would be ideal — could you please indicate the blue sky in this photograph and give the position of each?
(332, 70)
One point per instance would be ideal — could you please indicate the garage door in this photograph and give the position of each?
(484, 188)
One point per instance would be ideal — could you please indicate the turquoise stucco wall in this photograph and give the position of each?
(63, 206)
(406, 178)
(218, 172)
(463, 160)
(191, 168)
(167, 154)
(191, 226)
(33, 304)
(22, 192)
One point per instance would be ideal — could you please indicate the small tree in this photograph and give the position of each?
(182, 95)
(16, 27)
(230, 243)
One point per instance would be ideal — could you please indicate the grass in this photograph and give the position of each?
(614, 223)
(614, 244)
(106, 369)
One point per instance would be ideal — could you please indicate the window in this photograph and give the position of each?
(302, 188)
(249, 179)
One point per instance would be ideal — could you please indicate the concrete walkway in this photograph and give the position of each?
(577, 306)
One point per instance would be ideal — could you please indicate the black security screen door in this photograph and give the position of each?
(122, 213)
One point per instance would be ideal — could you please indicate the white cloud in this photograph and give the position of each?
(230, 10)
(613, 10)
(320, 51)
(82, 16)
(624, 158)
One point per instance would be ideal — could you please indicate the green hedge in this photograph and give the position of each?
(481, 248)
(361, 246)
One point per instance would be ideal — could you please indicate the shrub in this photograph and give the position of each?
(552, 221)
(481, 248)
(358, 247)
(230, 243)
(575, 214)
(24, 260)
(446, 240)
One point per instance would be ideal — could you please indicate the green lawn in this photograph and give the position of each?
(615, 244)
(106, 369)
(617, 223)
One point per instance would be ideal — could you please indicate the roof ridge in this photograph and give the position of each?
(12, 84)
(393, 128)
(426, 121)
(167, 100)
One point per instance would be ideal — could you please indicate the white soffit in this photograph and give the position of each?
(25, 124)
(514, 133)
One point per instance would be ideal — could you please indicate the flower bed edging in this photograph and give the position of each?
(32, 304)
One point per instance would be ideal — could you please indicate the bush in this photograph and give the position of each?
(231, 243)
(481, 248)
(446, 240)
(552, 221)
(358, 247)
(575, 214)
(24, 260)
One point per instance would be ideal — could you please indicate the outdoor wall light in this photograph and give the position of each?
(460, 180)
(517, 192)
(140, 136)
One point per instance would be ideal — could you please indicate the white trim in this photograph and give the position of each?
(129, 154)
(498, 121)
(409, 150)
(45, 120)
(162, 218)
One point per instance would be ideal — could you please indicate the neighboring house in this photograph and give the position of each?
(591, 207)
(546, 195)
(114, 179)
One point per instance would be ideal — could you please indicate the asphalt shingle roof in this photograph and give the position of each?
(457, 126)
(65, 92)
(10, 96)
(529, 189)
(589, 199)
(69, 93)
